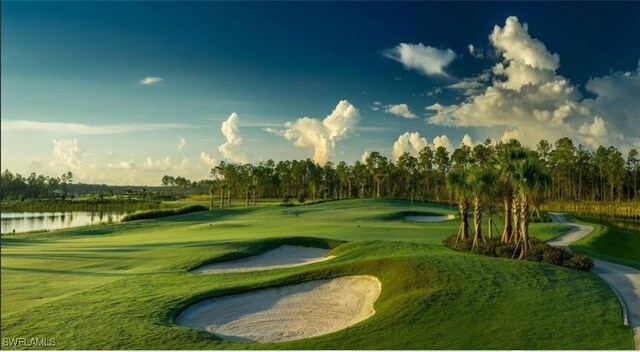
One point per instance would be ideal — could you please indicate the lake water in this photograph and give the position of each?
(26, 222)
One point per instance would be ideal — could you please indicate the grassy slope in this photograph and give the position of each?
(612, 243)
(119, 286)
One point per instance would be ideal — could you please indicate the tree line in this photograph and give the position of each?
(576, 174)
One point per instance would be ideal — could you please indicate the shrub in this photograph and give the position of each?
(505, 250)
(579, 261)
(301, 197)
(554, 255)
(539, 251)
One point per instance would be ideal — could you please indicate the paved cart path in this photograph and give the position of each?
(624, 281)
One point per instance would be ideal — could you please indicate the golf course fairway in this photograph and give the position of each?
(122, 286)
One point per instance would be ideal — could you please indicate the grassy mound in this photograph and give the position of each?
(161, 213)
(123, 287)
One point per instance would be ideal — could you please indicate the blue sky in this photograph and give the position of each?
(391, 77)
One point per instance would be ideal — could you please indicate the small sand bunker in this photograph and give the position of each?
(286, 313)
(422, 218)
(282, 257)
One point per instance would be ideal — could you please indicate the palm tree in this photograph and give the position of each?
(532, 180)
(480, 182)
(505, 158)
(457, 183)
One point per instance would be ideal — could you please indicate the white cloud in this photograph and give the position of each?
(67, 153)
(427, 60)
(475, 52)
(376, 106)
(233, 149)
(164, 164)
(466, 140)
(617, 99)
(515, 44)
(364, 156)
(512, 134)
(182, 143)
(442, 141)
(208, 160)
(150, 80)
(322, 135)
(471, 85)
(410, 143)
(524, 93)
(400, 110)
(84, 129)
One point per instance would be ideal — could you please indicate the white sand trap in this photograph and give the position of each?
(286, 313)
(282, 257)
(423, 218)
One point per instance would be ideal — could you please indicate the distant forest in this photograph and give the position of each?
(576, 174)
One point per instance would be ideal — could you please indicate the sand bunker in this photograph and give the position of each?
(282, 257)
(286, 313)
(421, 218)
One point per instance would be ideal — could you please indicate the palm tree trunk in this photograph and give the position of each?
(464, 211)
(477, 221)
(515, 231)
(490, 226)
(524, 225)
(506, 234)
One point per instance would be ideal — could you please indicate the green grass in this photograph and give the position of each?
(120, 286)
(609, 242)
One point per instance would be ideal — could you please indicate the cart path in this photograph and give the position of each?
(624, 281)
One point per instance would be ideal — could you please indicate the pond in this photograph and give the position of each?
(28, 221)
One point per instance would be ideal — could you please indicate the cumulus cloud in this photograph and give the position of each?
(376, 106)
(233, 149)
(427, 60)
(442, 141)
(466, 140)
(207, 159)
(413, 143)
(523, 92)
(617, 97)
(181, 144)
(400, 110)
(409, 142)
(365, 156)
(147, 81)
(158, 164)
(322, 135)
(516, 45)
(67, 152)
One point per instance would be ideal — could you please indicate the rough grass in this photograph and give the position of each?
(122, 287)
(610, 242)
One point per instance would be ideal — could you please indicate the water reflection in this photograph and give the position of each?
(26, 222)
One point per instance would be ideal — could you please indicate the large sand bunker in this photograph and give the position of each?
(282, 257)
(422, 218)
(286, 313)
